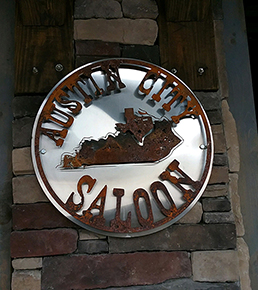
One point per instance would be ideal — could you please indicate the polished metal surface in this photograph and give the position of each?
(122, 147)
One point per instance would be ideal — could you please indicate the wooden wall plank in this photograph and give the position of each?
(192, 47)
(187, 46)
(42, 47)
(42, 12)
(187, 10)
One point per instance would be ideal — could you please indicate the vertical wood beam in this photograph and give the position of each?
(187, 42)
(44, 39)
(7, 13)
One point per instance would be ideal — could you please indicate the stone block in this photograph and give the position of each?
(22, 163)
(216, 190)
(243, 257)
(140, 9)
(219, 174)
(38, 216)
(142, 52)
(87, 235)
(97, 48)
(127, 31)
(220, 160)
(218, 217)
(219, 139)
(26, 280)
(27, 190)
(97, 9)
(183, 284)
(236, 204)
(194, 216)
(91, 272)
(22, 129)
(92, 247)
(231, 138)
(215, 266)
(215, 116)
(27, 263)
(180, 237)
(209, 100)
(26, 105)
(216, 204)
(43, 243)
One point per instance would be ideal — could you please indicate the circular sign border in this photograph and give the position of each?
(49, 192)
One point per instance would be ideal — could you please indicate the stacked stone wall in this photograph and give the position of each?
(204, 250)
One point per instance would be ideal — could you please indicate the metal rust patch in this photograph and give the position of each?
(122, 147)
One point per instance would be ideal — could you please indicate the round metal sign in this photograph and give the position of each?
(122, 147)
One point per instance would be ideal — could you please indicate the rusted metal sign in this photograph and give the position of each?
(122, 147)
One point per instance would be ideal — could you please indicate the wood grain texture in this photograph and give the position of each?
(42, 47)
(187, 10)
(188, 46)
(42, 12)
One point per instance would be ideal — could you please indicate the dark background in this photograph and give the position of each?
(251, 14)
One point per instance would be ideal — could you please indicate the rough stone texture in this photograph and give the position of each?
(92, 247)
(127, 31)
(22, 163)
(26, 105)
(87, 235)
(91, 272)
(216, 204)
(142, 52)
(215, 266)
(219, 139)
(231, 138)
(180, 237)
(38, 216)
(209, 100)
(27, 263)
(26, 280)
(219, 174)
(214, 116)
(97, 9)
(194, 216)
(243, 257)
(182, 284)
(97, 48)
(218, 217)
(22, 129)
(216, 190)
(43, 243)
(140, 9)
(236, 205)
(27, 190)
(220, 160)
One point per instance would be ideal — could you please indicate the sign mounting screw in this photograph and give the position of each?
(35, 70)
(201, 71)
(203, 147)
(59, 67)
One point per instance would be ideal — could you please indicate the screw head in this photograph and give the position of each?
(201, 71)
(174, 70)
(203, 147)
(43, 151)
(59, 67)
(35, 70)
